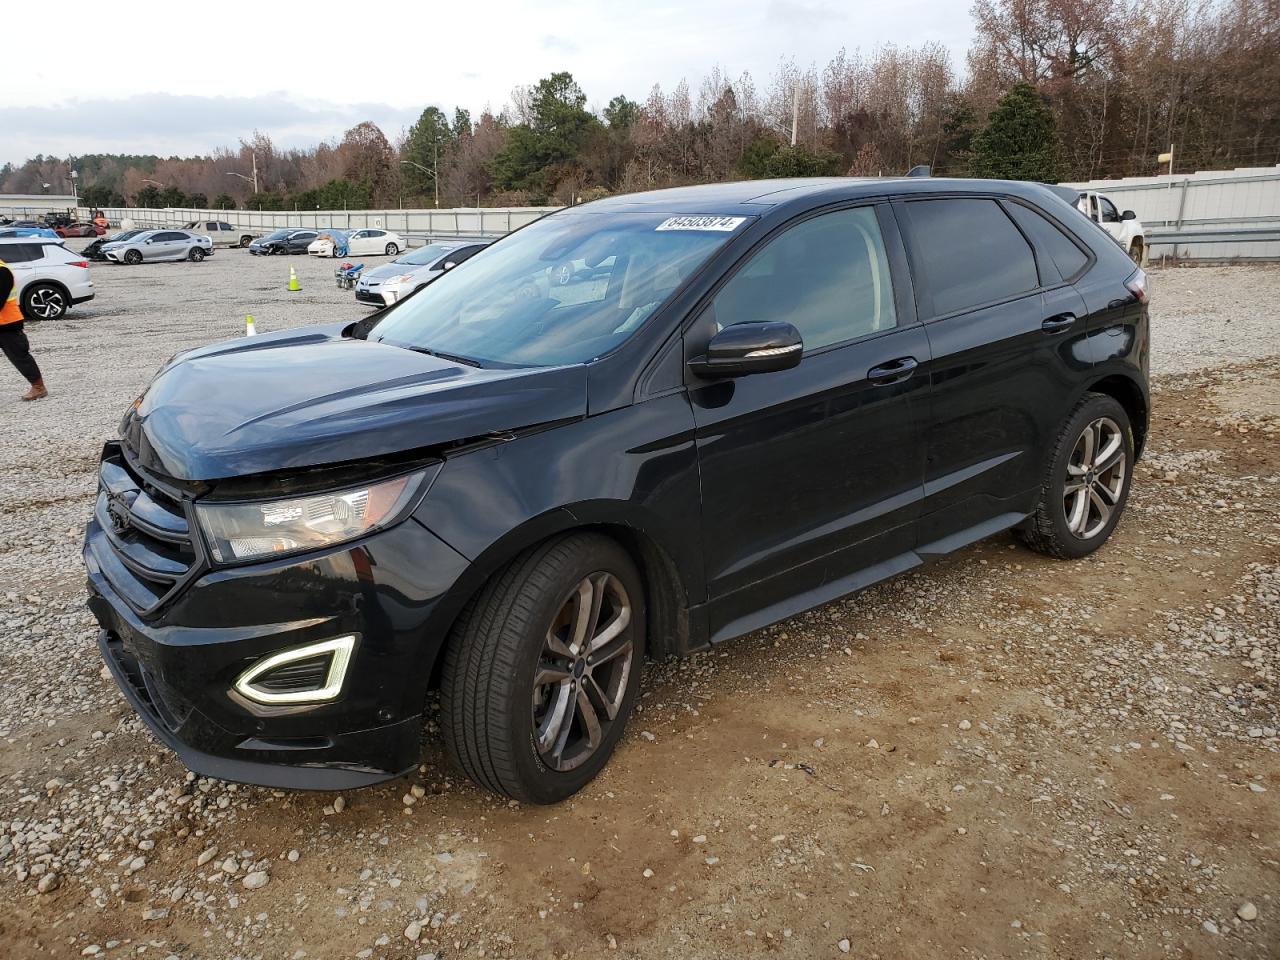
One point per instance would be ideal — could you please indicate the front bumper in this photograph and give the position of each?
(177, 664)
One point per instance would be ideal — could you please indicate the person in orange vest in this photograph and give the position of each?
(13, 341)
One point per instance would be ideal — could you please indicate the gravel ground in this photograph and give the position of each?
(998, 755)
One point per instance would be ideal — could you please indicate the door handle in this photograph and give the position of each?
(1059, 323)
(895, 371)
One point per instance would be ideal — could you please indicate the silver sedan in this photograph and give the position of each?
(159, 245)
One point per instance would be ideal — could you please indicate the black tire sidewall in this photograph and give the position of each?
(1091, 409)
(540, 782)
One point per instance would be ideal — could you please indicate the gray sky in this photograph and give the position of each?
(244, 68)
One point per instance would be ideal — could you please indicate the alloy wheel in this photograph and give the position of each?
(582, 672)
(46, 303)
(1095, 478)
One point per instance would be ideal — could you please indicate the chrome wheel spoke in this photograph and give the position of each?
(612, 630)
(604, 654)
(1111, 454)
(549, 673)
(1087, 445)
(584, 600)
(601, 699)
(1107, 494)
(1103, 508)
(554, 729)
(590, 721)
(1079, 513)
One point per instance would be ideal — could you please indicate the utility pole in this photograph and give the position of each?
(435, 169)
(795, 112)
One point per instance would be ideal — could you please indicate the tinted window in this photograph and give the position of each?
(969, 253)
(20, 252)
(223, 225)
(828, 276)
(211, 225)
(1059, 258)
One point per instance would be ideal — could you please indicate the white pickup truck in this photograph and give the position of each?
(1125, 227)
(222, 233)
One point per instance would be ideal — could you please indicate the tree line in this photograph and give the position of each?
(1052, 90)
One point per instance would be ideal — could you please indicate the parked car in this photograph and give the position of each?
(93, 251)
(222, 234)
(283, 241)
(48, 278)
(521, 482)
(1124, 227)
(77, 229)
(9, 233)
(155, 245)
(360, 243)
(404, 275)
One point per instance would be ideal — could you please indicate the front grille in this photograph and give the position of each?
(368, 296)
(146, 549)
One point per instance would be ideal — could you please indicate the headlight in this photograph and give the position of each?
(403, 278)
(263, 528)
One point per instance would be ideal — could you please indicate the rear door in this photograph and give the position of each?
(299, 242)
(812, 477)
(1008, 339)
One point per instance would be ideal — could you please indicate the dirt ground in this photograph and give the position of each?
(998, 755)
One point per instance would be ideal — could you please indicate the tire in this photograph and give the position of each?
(500, 726)
(392, 249)
(1072, 523)
(132, 257)
(1135, 251)
(245, 241)
(195, 255)
(44, 301)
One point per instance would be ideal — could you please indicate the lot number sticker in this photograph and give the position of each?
(722, 224)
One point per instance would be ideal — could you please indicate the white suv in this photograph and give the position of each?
(221, 233)
(48, 278)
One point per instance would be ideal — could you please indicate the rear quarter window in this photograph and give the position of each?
(969, 253)
(19, 252)
(1060, 258)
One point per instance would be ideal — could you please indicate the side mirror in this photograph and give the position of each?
(1128, 215)
(745, 348)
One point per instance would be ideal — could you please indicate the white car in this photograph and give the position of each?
(392, 282)
(221, 233)
(1124, 227)
(48, 278)
(369, 242)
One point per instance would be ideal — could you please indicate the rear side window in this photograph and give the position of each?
(20, 252)
(1060, 258)
(969, 252)
(829, 276)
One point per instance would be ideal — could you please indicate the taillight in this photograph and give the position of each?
(1137, 285)
(80, 263)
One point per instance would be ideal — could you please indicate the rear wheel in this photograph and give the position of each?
(1135, 250)
(542, 669)
(245, 241)
(392, 249)
(44, 301)
(1086, 485)
(196, 255)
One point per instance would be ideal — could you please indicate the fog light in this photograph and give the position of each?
(310, 674)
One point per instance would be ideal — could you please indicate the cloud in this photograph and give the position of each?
(558, 44)
(166, 124)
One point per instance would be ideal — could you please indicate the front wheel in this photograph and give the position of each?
(1135, 251)
(392, 249)
(132, 257)
(542, 669)
(1086, 485)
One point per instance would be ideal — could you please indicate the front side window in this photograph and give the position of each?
(223, 225)
(1109, 212)
(566, 289)
(969, 252)
(828, 277)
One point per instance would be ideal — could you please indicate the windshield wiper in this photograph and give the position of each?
(452, 357)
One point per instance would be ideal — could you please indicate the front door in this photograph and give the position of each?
(812, 477)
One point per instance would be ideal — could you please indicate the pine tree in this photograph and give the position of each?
(1020, 141)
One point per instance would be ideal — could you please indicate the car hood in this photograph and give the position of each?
(310, 397)
(389, 270)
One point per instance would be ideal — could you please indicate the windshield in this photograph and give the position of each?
(424, 255)
(565, 289)
(277, 235)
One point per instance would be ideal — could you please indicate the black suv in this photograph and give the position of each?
(633, 428)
